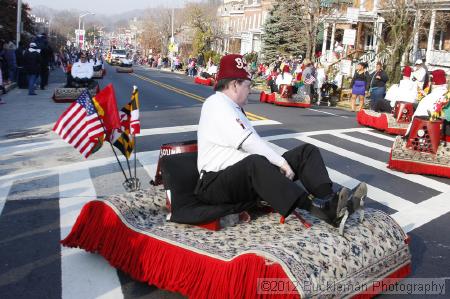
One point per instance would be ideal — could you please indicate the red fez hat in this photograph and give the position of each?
(233, 66)
(439, 77)
(407, 71)
(286, 69)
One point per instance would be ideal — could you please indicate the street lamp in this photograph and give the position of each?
(82, 16)
(79, 25)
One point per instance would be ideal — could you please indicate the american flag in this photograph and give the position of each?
(309, 79)
(80, 125)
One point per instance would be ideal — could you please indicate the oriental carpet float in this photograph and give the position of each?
(70, 94)
(132, 233)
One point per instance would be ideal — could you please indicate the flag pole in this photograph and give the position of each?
(134, 138)
(129, 168)
(135, 89)
(134, 96)
(104, 131)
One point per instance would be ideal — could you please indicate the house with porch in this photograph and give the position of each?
(365, 17)
(242, 24)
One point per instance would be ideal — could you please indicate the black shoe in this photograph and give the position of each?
(333, 208)
(32, 94)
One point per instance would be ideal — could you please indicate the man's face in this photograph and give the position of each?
(242, 90)
(83, 58)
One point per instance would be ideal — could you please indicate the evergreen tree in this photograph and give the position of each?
(272, 37)
(292, 28)
(8, 19)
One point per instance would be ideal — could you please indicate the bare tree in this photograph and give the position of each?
(403, 19)
(205, 23)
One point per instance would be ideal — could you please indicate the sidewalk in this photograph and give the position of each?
(24, 114)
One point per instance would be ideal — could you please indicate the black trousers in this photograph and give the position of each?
(44, 77)
(255, 178)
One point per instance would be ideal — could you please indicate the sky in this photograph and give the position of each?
(108, 7)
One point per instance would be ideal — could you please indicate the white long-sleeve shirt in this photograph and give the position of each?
(286, 78)
(82, 70)
(225, 136)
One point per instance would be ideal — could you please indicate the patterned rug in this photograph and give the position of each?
(311, 257)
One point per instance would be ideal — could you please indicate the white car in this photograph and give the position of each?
(117, 55)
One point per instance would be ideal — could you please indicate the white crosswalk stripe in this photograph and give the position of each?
(99, 279)
(76, 187)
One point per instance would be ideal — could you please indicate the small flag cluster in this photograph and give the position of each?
(89, 121)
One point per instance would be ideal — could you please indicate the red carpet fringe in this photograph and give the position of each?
(395, 131)
(98, 229)
(419, 168)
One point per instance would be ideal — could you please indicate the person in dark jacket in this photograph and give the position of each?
(21, 75)
(46, 58)
(377, 86)
(32, 66)
(359, 85)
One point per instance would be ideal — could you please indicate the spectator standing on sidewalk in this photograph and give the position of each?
(359, 85)
(320, 80)
(21, 76)
(2, 88)
(46, 58)
(10, 56)
(4, 66)
(32, 65)
(377, 87)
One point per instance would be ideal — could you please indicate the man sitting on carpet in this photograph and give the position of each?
(426, 105)
(237, 165)
(82, 70)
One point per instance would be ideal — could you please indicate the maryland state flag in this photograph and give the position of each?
(123, 142)
(129, 121)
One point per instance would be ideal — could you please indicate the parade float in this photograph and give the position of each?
(395, 123)
(286, 97)
(204, 81)
(426, 149)
(403, 98)
(166, 237)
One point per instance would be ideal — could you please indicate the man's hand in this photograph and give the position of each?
(287, 171)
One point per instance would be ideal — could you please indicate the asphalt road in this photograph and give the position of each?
(44, 182)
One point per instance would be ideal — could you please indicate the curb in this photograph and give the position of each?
(10, 87)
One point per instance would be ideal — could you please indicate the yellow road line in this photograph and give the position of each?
(250, 115)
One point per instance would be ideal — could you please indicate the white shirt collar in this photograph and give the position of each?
(228, 99)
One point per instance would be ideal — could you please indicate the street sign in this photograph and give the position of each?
(79, 34)
(246, 43)
(349, 37)
(346, 67)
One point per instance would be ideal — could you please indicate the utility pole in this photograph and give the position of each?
(19, 21)
(173, 14)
